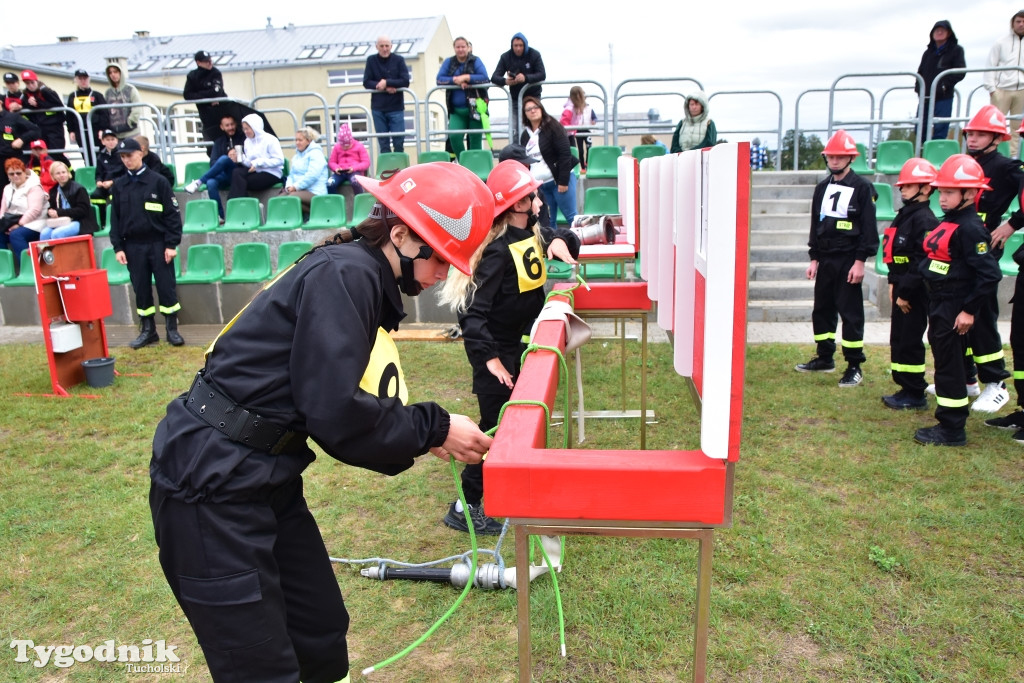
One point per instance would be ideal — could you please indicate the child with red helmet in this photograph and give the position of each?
(496, 307)
(309, 357)
(843, 236)
(960, 273)
(902, 252)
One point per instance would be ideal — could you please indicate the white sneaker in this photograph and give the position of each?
(973, 389)
(193, 187)
(993, 397)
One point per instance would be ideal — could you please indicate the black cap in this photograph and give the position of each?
(105, 132)
(203, 56)
(10, 77)
(516, 153)
(81, 73)
(129, 145)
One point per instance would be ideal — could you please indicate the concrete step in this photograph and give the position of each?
(780, 206)
(760, 192)
(779, 238)
(779, 254)
(795, 311)
(780, 290)
(811, 178)
(780, 221)
(761, 272)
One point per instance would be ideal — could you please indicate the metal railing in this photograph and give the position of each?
(777, 130)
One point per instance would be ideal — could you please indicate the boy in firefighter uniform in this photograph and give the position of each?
(309, 357)
(145, 230)
(902, 252)
(960, 273)
(497, 306)
(843, 236)
(1005, 179)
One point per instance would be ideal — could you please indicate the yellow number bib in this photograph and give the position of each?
(383, 377)
(526, 254)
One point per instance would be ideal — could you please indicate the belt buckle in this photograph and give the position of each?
(240, 424)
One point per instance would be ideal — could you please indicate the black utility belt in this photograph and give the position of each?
(832, 243)
(240, 424)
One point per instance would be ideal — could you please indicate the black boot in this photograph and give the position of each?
(173, 337)
(147, 334)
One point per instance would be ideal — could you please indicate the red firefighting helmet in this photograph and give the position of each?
(447, 205)
(961, 171)
(989, 120)
(916, 171)
(510, 181)
(841, 144)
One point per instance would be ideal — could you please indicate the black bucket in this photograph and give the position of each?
(99, 372)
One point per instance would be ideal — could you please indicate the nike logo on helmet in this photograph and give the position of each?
(524, 179)
(850, 144)
(919, 172)
(961, 174)
(458, 228)
(995, 119)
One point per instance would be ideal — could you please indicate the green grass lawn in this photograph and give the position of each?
(855, 555)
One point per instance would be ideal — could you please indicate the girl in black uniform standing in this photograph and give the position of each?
(309, 357)
(497, 306)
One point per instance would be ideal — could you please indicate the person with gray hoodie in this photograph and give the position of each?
(124, 121)
(696, 130)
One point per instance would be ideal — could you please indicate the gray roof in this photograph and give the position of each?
(235, 50)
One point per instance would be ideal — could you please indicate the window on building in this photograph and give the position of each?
(223, 59)
(314, 52)
(337, 78)
(361, 50)
(178, 63)
(142, 66)
(403, 48)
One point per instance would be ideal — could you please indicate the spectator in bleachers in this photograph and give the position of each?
(82, 100)
(11, 85)
(467, 105)
(387, 74)
(651, 140)
(520, 68)
(18, 133)
(758, 155)
(349, 158)
(1006, 88)
(696, 130)
(577, 112)
(546, 139)
(223, 162)
(22, 208)
(39, 160)
(262, 161)
(307, 174)
(153, 162)
(943, 52)
(108, 169)
(70, 205)
(47, 115)
(202, 83)
(124, 121)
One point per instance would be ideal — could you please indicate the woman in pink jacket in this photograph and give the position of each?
(348, 159)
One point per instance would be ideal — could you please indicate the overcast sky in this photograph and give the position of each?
(741, 45)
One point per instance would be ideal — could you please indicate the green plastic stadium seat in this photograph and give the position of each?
(602, 161)
(6, 265)
(479, 161)
(326, 211)
(937, 151)
(891, 155)
(1004, 148)
(250, 262)
(860, 162)
(1006, 262)
(432, 156)
(391, 161)
(601, 200)
(117, 274)
(558, 270)
(880, 266)
(26, 277)
(361, 207)
(646, 152)
(283, 213)
(241, 214)
(884, 210)
(601, 271)
(205, 264)
(194, 170)
(200, 216)
(86, 177)
(289, 252)
(933, 202)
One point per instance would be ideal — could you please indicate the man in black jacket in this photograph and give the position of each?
(943, 52)
(518, 68)
(82, 100)
(386, 74)
(47, 114)
(145, 230)
(202, 83)
(16, 132)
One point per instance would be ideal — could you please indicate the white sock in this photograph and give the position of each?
(458, 506)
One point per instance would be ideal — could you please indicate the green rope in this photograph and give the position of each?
(568, 293)
(530, 348)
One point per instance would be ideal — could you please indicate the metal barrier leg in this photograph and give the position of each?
(523, 601)
(702, 608)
